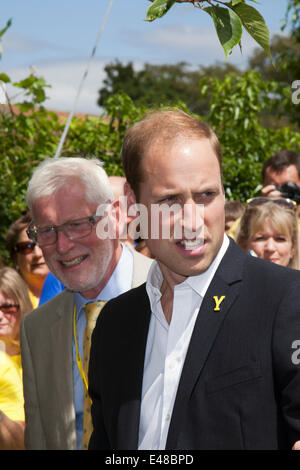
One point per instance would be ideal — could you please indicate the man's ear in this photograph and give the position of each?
(131, 199)
(128, 191)
(118, 214)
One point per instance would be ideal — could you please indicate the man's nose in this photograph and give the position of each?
(63, 243)
(193, 219)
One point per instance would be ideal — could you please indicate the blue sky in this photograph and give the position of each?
(57, 36)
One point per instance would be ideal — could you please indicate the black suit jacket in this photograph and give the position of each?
(239, 387)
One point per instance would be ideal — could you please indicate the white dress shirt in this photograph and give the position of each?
(119, 282)
(166, 349)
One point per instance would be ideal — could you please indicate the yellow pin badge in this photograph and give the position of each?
(218, 302)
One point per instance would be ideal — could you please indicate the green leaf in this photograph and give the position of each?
(236, 113)
(228, 27)
(26, 82)
(25, 106)
(8, 24)
(4, 78)
(254, 23)
(158, 9)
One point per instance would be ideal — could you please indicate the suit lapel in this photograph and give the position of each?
(129, 414)
(61, 336)
(210, 318)
(133, 359)
(132, 371)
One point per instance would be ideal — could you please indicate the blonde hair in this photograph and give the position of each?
(282, 218)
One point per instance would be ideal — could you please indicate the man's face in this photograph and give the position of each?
(83, 265)
(289, 173)
(186, 173)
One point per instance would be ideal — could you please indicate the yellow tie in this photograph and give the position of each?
(92, 311)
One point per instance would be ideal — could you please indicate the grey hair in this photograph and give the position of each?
(53, 173)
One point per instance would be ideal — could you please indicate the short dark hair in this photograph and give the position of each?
(161, 126)
(233, 210)
(281, 160)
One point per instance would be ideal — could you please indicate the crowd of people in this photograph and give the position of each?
(155, 370)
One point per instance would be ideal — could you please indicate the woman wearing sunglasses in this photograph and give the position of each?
(269, 230)
(27, 258)
(14, 303)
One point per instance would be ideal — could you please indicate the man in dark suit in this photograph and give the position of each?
(203, 355)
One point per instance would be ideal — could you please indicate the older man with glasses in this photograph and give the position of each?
(63, 197)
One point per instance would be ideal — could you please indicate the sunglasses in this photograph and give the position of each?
(283, 202)
(25, 248)
(9, 308)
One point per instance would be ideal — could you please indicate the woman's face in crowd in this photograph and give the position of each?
(31, 264)
(272, 245)
(9, 317)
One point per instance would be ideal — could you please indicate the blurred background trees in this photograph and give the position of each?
(251, 111)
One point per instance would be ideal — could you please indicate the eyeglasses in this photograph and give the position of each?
(25, 248)
(74, 230)
(283, 202)
(9, 309)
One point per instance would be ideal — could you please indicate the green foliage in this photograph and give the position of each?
(2, 32)
(102, 138)
(236, 106)
(283, 50)
(159, 9)
(293, 18)
(290, 59)
(29, 134)
(228, 26)
(229, 20)
(233, 103)
(157, 85)
(253, 22)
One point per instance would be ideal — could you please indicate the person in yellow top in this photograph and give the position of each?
(14, 303)
(11, 389)
(12, 415)
(27, 258)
